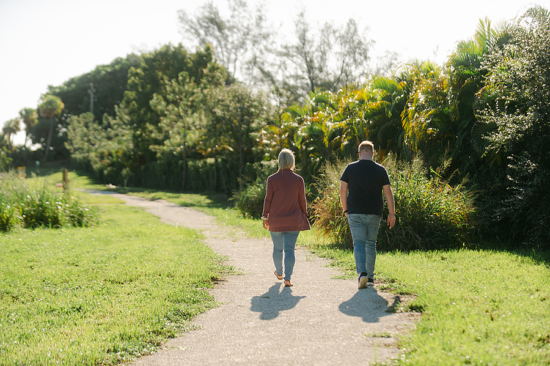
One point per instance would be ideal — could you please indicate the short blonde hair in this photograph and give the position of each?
(286, 159)
(367, 146)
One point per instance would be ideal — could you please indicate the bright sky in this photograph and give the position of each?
(46, 42)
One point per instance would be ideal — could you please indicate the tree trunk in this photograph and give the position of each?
(25, 152)
(8, 135)
(240, 156)
(184, 166)
(49, 140)
(215, 171)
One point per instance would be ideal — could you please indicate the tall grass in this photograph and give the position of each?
(430, 213)
(33, 203)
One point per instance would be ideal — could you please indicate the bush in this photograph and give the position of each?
(250, 201)
(35, 207)
(8, 216)
(40, 208)
(430, 213)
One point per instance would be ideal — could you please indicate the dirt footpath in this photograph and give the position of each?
(319, 321)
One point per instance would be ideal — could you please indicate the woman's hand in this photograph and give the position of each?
(266, 224)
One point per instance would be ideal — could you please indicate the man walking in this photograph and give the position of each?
(365, 180)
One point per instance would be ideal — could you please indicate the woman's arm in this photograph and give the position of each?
(302, 197)
(268, 198)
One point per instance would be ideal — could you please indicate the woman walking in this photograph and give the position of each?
(285, 213)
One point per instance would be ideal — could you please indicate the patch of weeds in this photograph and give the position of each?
(378, 335)
(396, 306)
(416, 307)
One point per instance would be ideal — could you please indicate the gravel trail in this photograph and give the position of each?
(319, 321)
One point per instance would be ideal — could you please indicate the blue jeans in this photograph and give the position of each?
(364, 231)
(285, 240)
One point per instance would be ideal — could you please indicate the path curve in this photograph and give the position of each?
(319, 321)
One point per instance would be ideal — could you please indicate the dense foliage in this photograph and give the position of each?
(517, 86)
(430, 213)
(185, 121)
(108, 83)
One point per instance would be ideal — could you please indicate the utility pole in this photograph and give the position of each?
(91, 91)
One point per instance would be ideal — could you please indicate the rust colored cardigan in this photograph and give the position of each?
(285, 202)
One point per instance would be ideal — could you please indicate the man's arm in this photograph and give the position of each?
(344, 196)
(391, 204)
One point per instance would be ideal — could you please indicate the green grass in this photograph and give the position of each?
(213, 205)
(480, 307)
(216, 205)
(484, 307)
(100, 295)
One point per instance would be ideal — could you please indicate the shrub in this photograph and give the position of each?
(250, 201)
(78, 214)
(430, 213)
(8, 212)
(42, 206)
(8, 215)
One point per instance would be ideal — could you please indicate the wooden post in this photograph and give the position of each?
(66, 181)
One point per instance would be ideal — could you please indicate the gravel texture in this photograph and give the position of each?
(320, 321)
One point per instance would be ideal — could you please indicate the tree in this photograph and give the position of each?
(109, 82)
(5, 160)
(85, 139)
(330, 59)
(239, 113)
(518, 105)
(156, 71)
(11, 127)
(30, 119)
(50, 106)
(240, 40)
(182, 113)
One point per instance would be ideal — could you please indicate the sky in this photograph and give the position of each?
(47, 42)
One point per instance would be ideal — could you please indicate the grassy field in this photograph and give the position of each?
(484, 307)
(100, 295)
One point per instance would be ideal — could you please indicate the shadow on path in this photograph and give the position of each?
(273, 302)
(368, 305)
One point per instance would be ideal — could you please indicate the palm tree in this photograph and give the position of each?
(50, 107)
(30, 119)
(11, 127)
(427, 118)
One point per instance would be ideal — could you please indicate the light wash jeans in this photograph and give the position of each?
(364, 231)
(285, 240)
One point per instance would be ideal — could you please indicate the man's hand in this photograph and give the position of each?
(391, 221)
(391, 204)
(266, 224)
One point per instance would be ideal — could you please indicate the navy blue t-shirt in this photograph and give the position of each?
(365, 179)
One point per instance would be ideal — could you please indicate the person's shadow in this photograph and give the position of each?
(368, 305)
(273, 302)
